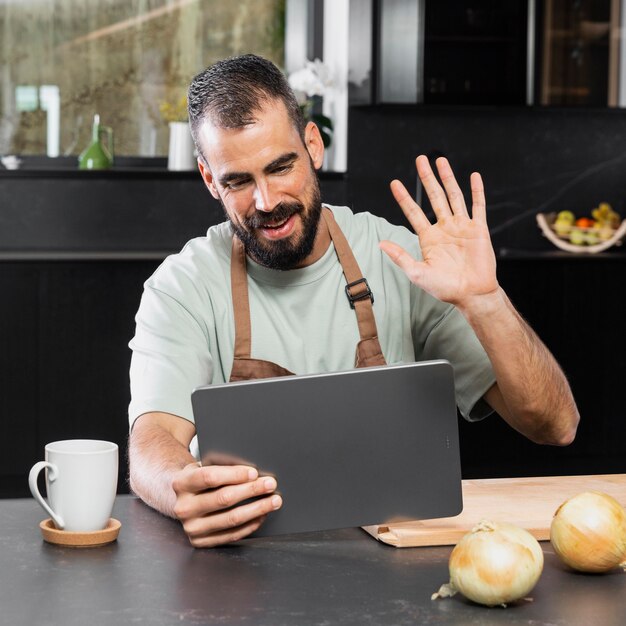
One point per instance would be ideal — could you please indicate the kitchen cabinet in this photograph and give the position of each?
(580, 43)
(453, 51)
(488, 52)
(65, 328)
(475, 52)
(572, 304)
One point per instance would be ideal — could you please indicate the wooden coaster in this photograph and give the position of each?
(71, 539)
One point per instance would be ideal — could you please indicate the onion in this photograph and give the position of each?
(493, 564)
(588, 532)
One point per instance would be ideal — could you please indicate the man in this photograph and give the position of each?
(264, 294)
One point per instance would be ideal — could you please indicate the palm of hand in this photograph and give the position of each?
(458, 259)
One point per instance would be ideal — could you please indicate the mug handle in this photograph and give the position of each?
(34, 489)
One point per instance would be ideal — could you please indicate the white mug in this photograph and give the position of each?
(81, 482)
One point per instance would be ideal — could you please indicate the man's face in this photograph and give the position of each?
(264, 177)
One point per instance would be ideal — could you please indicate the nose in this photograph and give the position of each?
(264, 197)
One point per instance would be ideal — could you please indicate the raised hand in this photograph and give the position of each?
(458, 263)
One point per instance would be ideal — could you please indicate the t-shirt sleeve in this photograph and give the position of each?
(441, 332)
(170, 357)
(453, 339)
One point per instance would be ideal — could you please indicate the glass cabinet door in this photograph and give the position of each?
(580, 52)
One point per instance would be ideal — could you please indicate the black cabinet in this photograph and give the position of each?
(571, 303)
(475, 52)
(451, 52)
(64, 358)
(19, 359)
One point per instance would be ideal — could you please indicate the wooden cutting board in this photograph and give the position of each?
(526, 502)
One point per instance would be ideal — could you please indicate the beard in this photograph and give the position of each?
(289, 252)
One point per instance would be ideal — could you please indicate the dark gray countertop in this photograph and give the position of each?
(151, 575)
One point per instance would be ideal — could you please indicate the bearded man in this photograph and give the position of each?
(289, 285)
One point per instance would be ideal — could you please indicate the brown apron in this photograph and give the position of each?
(360, 298)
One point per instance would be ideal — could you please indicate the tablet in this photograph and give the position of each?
(352, 448)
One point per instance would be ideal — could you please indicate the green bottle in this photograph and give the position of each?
(97, 156)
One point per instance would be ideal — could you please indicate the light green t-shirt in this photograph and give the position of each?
(301, 319)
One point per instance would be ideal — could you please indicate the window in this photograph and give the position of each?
(63, 61)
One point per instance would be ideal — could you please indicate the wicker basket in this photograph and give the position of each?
(545, 221)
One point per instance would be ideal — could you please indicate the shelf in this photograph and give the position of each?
(580, 92)
(469, 39)
(126, 167)
(528, 255)
(113, 173)
(120, 173)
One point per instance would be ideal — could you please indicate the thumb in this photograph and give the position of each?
(412, 268)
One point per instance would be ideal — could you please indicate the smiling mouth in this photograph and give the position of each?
(280, 229)
(278, 225)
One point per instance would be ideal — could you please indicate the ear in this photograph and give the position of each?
(207, 177)
(314, 144)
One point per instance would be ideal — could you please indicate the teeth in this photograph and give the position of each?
(277, 225)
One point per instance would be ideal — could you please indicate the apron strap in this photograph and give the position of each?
(241, 302)
(357, 289)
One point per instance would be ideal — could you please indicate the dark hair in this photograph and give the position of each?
(232, 90)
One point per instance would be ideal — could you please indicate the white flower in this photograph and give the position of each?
(313, 79)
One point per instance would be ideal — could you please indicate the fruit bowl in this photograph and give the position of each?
(587, 240)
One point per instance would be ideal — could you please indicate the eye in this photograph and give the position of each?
(234, 185)
(283, 169)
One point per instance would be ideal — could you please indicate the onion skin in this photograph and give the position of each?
(588, 532)
(496, 563)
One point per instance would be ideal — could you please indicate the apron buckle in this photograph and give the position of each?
(362, 295)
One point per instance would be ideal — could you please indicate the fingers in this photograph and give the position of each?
(195, 479)
(409, 207)
(230, 525)
(217, 504)
(227, 536)
(232, 495)
(435, 192)
(479, 205)
(447, 200)
(222, 490)
(453, 191)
